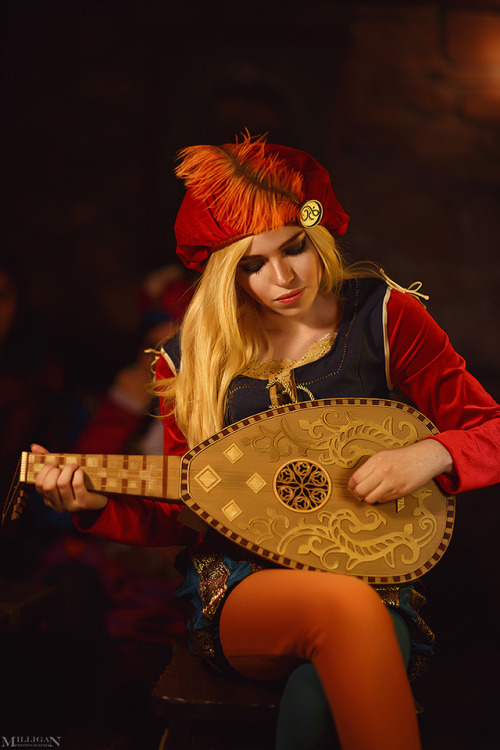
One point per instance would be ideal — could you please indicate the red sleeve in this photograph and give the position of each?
(425, 367)
(141, 521)
(138, 521)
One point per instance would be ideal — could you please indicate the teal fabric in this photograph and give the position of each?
(305, 721)
(403, 636)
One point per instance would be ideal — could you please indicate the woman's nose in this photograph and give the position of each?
(283, 273)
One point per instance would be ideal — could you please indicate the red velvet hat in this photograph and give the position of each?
(246, 188)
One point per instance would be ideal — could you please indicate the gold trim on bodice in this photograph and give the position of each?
(268, 370)
(280, 372)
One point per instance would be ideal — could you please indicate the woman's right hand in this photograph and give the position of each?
(63, 487)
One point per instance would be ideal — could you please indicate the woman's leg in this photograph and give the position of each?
(276, 618)
(305, 720)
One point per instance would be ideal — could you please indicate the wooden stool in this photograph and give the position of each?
(208, 711)
(23, 603)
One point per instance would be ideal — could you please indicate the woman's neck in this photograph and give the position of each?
(290, 338)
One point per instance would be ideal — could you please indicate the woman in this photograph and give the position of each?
(276, 318)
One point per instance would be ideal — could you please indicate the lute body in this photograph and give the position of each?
(276, 484)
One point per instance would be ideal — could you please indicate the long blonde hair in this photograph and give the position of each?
(221, 334)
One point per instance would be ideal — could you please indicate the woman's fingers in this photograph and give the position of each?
(46, 479)
(390, 474)
(371, 488)
(384, 476)
(35, 448)
(55, 485)
(83, 499)
(63, 488)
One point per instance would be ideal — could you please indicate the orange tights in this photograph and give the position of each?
(275, 619)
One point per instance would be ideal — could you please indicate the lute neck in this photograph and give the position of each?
(143, 476)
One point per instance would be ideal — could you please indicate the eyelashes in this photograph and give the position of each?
(249, 270)
(296, 249)
(252, 268)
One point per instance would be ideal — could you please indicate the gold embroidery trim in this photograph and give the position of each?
(279, 367)
(214, 574)
(213, 581)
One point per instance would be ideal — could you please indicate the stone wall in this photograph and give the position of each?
(419, 154)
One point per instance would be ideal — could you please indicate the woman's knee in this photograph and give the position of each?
(342, 614)
(295, 612)
(346, 598)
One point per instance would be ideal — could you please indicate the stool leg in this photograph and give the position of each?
(163, 740)
(177, 736)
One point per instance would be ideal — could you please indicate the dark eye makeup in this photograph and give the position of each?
(250, 267)
(297, 248)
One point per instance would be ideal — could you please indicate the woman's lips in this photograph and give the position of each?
(290, 297)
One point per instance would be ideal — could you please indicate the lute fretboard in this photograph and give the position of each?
(144, 476)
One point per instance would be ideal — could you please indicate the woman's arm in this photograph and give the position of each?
(119, 518)
(425, 367)
(395, 473)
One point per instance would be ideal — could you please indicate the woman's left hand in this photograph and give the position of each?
(391, 474)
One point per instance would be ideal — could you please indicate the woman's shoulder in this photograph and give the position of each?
(364, 286)
(362, 296)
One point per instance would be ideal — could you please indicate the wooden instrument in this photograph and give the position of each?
(276, 484)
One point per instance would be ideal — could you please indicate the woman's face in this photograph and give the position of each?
(282, 271)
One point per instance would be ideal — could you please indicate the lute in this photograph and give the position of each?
(276, 484)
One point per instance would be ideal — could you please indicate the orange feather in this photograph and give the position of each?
(243, 184)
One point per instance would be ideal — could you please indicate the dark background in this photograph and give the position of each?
(401, 101)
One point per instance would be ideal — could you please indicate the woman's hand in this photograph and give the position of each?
(391, 474)
(63, 487)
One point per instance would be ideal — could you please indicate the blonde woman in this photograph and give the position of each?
(277, 319)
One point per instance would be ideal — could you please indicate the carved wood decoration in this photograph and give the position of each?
(276, 484)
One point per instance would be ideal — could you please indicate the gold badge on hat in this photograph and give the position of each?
(311, 213)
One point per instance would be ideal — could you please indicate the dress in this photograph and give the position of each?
(387, 346)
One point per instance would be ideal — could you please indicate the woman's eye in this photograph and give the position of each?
(250, 268)
(296, 249)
